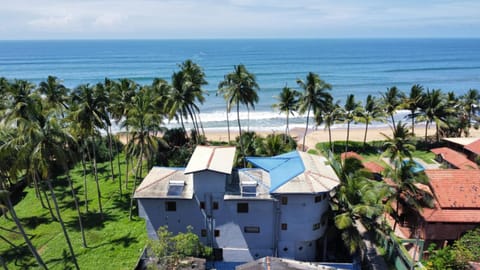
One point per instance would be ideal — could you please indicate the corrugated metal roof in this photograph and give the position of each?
(156, 184)
(213, 158)
(461, 141)
(297, 172)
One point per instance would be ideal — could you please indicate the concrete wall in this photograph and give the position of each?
(303, 219)
(209, 182)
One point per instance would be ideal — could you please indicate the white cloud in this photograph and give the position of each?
(52, 22)
(108, 20)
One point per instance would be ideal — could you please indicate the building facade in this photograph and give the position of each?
(277, 209)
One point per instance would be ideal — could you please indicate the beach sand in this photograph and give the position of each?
(338, 134)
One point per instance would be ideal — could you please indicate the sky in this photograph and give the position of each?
(191, 19)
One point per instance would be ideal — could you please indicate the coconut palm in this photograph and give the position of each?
(351, 112)
(372, 111)
(5, 196)
(143, 119)
(314, 97)
(392, 99)
(399, 146)
(288, 104)
(330, 114)
(239, 87)
(88, 112)
(55, 94)
(412, 102)
(121, 103)
(356, 199)
(434, 108)
(470, 102)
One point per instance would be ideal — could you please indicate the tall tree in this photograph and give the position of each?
(434, 109)
(399, 146)
(121, 99)
(288, 104)
(470, 102)
(413, 102)
(55, 94)
(372, 111)
(240, 87)
(392, 99)
(315, 96)
(351, 112)
(330, 114)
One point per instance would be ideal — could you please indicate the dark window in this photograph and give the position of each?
(284, 200)
(217, 233)
(203, 233)
(171, 206)
(251, 229)
(318, 198)
(284, 226)
(324, 196)
(202, 205)
(316, 226)
(242, 207)
(215, 205)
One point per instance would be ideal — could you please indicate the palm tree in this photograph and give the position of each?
(351, 112)
(372, 111)
(413, 103)
(399, 146)
(357, 199)
(315, 97)
(88, 112)
(121, 99)
(5, 196)
(470, 102)
(330, 114)
(287, 103)
(55, 94)
(239, 87)
(143, 119)
(434, 109)
(392, 99)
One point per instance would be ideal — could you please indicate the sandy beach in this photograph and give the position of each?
(338, 134)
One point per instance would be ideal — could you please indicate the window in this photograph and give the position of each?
(242, 207)
(202, 205)
(175, 188)
(216, 233)
(324, 196)
(318, 198)
(284, 226)
(171, 206)
(284, 200)
(249, 188)
(215, 205)
(251, 229)
(203, 233)
(316, 226)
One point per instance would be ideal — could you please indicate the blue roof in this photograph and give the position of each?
(282, 168)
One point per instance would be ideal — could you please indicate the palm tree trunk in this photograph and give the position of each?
(140, 160)
(119, 170)
(396, 213)
(306, 130)
(365, 136)
(426, 131)
(99, 195)
(240, 135)
(23, 233)
(54, 218)
(330, 138)
(54, 198)
(348, 136)
(110, 151)
(126, 157)
(286, 129)
(393, 120)
(413, 123)
(201, 124)
(77, 207)
(228, 126)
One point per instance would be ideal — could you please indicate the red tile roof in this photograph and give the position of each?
(350, 154)
(373, 167)
(474, 147)
(456, 188)
(451, 215)
(455, 158)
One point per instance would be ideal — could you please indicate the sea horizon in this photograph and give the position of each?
(360, 66)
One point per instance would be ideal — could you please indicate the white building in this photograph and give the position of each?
(277, 209)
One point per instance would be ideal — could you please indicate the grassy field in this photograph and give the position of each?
(113, 243)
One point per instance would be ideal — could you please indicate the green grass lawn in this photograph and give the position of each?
(113, 243)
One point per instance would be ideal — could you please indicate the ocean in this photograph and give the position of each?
(358, 66)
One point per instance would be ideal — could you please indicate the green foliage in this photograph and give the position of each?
(170, 249)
